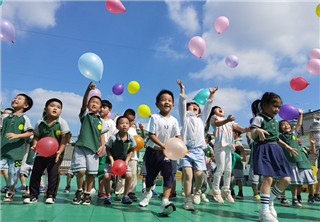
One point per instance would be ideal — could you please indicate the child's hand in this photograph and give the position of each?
(313, 141)
(247, 130)
(261, 133)
(230, 118)
(12, 136)
(111, 162)
(91, 86)
(57, 156)
(180, 84)
(141, 126)
(213, 90)
(99, 150)
(33, 148)
(291, 151)
(300, 111)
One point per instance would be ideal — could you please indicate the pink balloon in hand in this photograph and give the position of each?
(197, 45)
(221, 24)
(115, 6)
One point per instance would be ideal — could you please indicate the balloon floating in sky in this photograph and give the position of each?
(202, 96)
(144, 110)
(94, 92)
(197, 45)
(7, 30)
(47, 146)
(115, 6)
(232, 61)
(175, 149)
(251, 120)
(314, 53)
(318, 10)
(288, 112)
(117, 89)
(298, 83)
(221, 24)
(313, 66)
(90, 65)
(0, 2)
(133, 87)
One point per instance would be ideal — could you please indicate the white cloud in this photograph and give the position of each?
(163, 48)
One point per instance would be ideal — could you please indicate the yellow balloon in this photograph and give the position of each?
(144, 110)
(133, 87)
(318, 10)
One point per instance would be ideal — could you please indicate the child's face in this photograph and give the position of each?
(94, 105)
(104, 111)
(131, 119)
(219, 112)
(123, 125)
(285, 127)
(273, 108)
(165, 103)
(53, 110)
(19, 103)
(194, 108)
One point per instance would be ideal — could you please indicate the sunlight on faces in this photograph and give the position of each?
(165, 103)
(131, 119)
(219, 112)
(272, 108)
(94, 105)
(285, 126)
(104, 111)
(194, 108)
(53, 110)
(123, 124)
(19, 102)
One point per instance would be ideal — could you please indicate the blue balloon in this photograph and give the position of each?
(202, 96)
(90, 65)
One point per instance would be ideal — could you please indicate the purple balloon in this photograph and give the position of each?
(117, 89)
(7, 30)
(251, 120)
(232, 61)
(288, 112)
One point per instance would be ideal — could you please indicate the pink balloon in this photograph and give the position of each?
(109, 115)
(175, 149)
(94, 92)
(313, 66)
(115, 6)
(221, 24)
(197, 45)
(315, 53)
(298, 83)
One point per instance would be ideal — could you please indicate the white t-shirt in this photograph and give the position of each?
(112, 129)
(163, 127)
(132, 131)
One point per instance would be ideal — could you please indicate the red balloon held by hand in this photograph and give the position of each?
(47, 146)
(119, 167)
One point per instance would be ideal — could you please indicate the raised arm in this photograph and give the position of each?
(222, 122)
(143, 133)
(182, 103)
(299, 123)
(181, 87)
(208, 106)
(313, 146)
(85, 97)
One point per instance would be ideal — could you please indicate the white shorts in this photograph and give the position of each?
(26, 169)
(84, 159)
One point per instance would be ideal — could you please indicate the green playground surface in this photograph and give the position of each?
(63, 210)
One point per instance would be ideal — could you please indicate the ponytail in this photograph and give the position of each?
(255, 107)
(267, 98)
(208, 120)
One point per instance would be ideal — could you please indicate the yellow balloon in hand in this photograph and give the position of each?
(133, 87)
(144, 110)
(318, 10)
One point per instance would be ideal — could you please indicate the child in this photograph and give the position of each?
(70, 173)
(52, 125)
(89, 145)
(268, 157)
(238, 167)
(161, 127)
(120, 146)
(15, 128)
(211, 166)
(223, 147)
(193, 136)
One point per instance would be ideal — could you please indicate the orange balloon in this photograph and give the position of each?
(139, 141)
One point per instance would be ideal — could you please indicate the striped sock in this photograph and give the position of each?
(264, 200)
(274, 193)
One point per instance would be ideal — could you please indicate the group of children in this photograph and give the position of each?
(275, 157)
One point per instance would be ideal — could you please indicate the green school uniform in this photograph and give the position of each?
(291, 140)
(305, 163)
(271, 125)
(118, 148)
(251, 146)
(207, 151)
(235, 157)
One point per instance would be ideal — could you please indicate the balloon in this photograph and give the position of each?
(207, 160)
(139, 141)
(144, 110)
(90, 65)
(175, 149)
(232, 61)
(119, 167)
(103, 152)
(133, 87)
(202, 96)
(109, 115)
(47, 146)
(197, 45)
(314, 53)
(298, 83)
(115, 6)
(7, 30)
(313, 66)
(94, 92)
(251, 120)
(117, 89)
(221, 24)
(318, 10)
(0, 2)
(288, 112)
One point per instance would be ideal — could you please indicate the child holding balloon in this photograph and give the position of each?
(268, 157)
(51, 125)
(192, 132)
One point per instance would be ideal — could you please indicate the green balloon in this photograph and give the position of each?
(202, 96)
(0, 2)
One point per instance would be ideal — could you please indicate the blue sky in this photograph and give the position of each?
(149, 44)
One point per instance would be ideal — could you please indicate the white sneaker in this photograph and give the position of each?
(93, 190)
(273, 211)
(196, 197)
(210, 192)
(217, 196)
(188, 204)
(144, 201)
(50, 200)
(30, 200)
(166, 208)
(204, 198)
(266, 216)
(227, 196)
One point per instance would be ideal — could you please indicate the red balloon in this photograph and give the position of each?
(119, 167)
(47, 146)
(298, 83)
(115, 6)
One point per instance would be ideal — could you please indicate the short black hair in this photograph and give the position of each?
(164, 91)
(53, 100)
(28, 101)
(106, 103)
(95, 97)
(283, 121)
(209, 138)
(129, 112)
(120, 117)
(237, 132)
(194, 103)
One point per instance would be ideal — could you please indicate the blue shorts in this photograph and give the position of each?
(194, 159)
(13, 170)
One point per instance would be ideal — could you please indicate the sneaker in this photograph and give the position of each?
(296, 203)
(227, 196)
(4, 189)
(108, 200)
(182, 193)
(50, 200)
(267, 216)
(217, 196)
(310, 199)
(188, 204)
(196, 198)
(210, 192)
(166, 208)
(154, 192)
(86, 199)
(30, 200)
(278, 197)
(132, 197)
(173, 195)
(299, 199)
(22, 188)
(118, 197)
(144, 201)
(204, 198)
(93, 190)
(67, 189)
(316, 197)
(126, 200)
(77, 197)
(143, 190)
(102, 195)
(239, 196)
(256, 197)
(42, 189)
(285, 203)
(233, 194)
(273, 211)
(9, 196)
